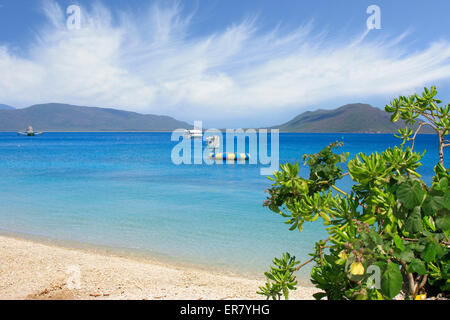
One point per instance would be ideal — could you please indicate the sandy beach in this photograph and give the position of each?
(34, 270)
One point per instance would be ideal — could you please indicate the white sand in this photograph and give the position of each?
(32, 270)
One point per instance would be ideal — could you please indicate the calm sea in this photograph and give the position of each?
(122, 191)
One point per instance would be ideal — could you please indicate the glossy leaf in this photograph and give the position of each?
(391, 280)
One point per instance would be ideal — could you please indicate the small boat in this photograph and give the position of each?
(213, 142)
(194, 133)
(29, 132)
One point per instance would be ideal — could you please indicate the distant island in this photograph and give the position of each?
(64, 117)
(57, 117)
(350, 118)
(6, 107)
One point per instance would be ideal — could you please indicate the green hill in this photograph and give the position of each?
(356, 118)
(5, 107)
(64, 117)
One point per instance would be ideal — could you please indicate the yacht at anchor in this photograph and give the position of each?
(29, 132)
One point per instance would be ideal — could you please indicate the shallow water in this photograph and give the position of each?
(121, 190)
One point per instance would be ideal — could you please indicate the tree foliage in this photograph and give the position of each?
(423, 110)
(280, 278)
(389, 235)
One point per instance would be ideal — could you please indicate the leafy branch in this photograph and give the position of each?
(391, 220)
(280, 278)
(426, 111)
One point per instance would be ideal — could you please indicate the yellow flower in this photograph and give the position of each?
(343, 255)
(356, 269)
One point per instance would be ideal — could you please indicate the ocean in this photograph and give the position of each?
(121, 191)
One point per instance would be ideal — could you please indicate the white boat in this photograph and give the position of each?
(194, 133)
(29, 132)
(213, 142)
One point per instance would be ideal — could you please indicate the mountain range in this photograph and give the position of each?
(351, 118)
(6, 107)
(64, 117)
(356, 118)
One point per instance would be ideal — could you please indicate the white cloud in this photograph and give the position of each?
(149, 62)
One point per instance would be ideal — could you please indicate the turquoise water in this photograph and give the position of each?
(121, 190)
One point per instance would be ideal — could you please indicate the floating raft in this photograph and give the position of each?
(229, 156)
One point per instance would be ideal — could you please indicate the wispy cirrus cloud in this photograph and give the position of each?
(149, 62)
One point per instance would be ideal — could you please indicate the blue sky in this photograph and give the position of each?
(230, 63)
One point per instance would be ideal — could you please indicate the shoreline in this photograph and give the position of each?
(223, 131)
(31, 269)
(143, 255)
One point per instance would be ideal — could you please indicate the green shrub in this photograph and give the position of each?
(390, 234)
